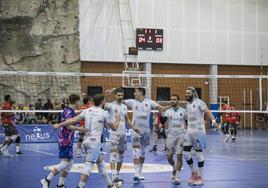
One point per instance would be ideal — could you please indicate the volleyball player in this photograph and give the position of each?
(196, 135)
(118, 141)
(141, 114)
(66, 138)
(95, 120)
(175, 117)
(86, 104)
(11, 133)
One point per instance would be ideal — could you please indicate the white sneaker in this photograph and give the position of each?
(5, 153)
(177, 180)
(141, 177)
(45, 183)
(227, 138)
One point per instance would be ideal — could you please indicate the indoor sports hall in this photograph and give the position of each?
(133, 93)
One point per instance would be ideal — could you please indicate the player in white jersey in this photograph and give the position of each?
(176, 122)
(141, 108)
(95, 120)
(118, 141)
(196, 134)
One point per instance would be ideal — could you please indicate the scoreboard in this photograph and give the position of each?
(149, 39)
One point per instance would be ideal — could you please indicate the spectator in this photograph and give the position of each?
(30, 116)
(39, 106)
(20, 117)
(57, 105)
(48, 106)
(65, 103)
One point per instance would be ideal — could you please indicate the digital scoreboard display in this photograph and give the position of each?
(149, 39)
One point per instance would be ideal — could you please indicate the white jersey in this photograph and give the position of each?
(120, 108)
(176, 120)
(195, 115)
(95, 120)
(141, 113)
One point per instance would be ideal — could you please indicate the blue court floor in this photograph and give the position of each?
(243, 164)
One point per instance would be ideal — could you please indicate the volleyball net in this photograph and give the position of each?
(32, 91)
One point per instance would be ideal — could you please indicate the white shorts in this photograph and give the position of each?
(196, 139)
(118, 142)
(142, 139)
(175, 143)
(92, 148)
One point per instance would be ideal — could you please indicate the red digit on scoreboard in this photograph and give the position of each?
(141, 39)
(159, 40)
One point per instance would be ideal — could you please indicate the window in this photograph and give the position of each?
(128, 93)
(93, 90)
(163, 94)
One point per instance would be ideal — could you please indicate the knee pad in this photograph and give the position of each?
(7, 138)
(14, 137)
(142, 152)
(87, 168)
(187, 155)
(120, 158)
(17, 140)
(101, 167)
(113, 157)
(190, 161)
(63, 165)
(136, 153)
(187, 148)
(200, 157)
(232, 131)
(201, 164)
(80, 140)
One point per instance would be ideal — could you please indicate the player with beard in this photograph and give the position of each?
(176, 122)
(196, 133)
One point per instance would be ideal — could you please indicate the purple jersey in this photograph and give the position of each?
(66, 136)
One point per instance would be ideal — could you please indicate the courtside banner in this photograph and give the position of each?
(44, 133)
(37, 133)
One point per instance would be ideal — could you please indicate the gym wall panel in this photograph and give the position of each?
(233, 30)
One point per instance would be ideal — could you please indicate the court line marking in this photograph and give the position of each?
(38, 151)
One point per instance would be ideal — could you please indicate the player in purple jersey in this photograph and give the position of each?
(66, 137)
(95, 120)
